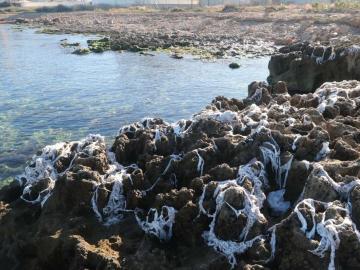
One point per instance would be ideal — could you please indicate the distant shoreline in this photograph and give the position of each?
(245, 31)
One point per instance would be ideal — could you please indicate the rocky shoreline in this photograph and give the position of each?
(267, 182)
(251, 31)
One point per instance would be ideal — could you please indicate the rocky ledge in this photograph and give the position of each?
(307, 66)
(268, 182)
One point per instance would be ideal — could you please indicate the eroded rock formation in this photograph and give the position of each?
(268, 182)
(306, 67)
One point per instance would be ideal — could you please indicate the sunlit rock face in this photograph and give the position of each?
(306, 67)
(267, 182)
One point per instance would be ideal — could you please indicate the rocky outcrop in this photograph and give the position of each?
(268, 182)
(306, 67)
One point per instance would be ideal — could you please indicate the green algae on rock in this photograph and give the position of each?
(49, 31)
(81, 51)
(99, 45)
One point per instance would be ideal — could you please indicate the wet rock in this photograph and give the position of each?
(234, 65)
(81, 51)
(21, 20)
(66, 44)
(177, 56)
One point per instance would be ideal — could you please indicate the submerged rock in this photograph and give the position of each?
(177, 56)
(81, 51)
(99, 45)
(234, 65)
(267, 182)
(64, 43)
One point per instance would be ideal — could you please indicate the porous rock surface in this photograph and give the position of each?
(305, 67)
(268, 182)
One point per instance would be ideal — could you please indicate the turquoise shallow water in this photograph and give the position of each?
(48, 95)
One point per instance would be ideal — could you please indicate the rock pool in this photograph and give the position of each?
(48, 94)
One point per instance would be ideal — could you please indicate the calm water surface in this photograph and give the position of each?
(48, 95)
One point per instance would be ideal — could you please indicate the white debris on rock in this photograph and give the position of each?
(306, 119)
(42, 166)
(253, 202)
(257, 95)
(324, 151)
(271, 155)
(158, 225)
(352, 50)
(179, 128)
(329, 93)
(343, 189)
(297, 137)
(327, 229)
(201, 163)
(245, 118)
(255, 172)
(173, 158)
(290, 121)
(112, 213)
(321, 59)
(276, 201)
